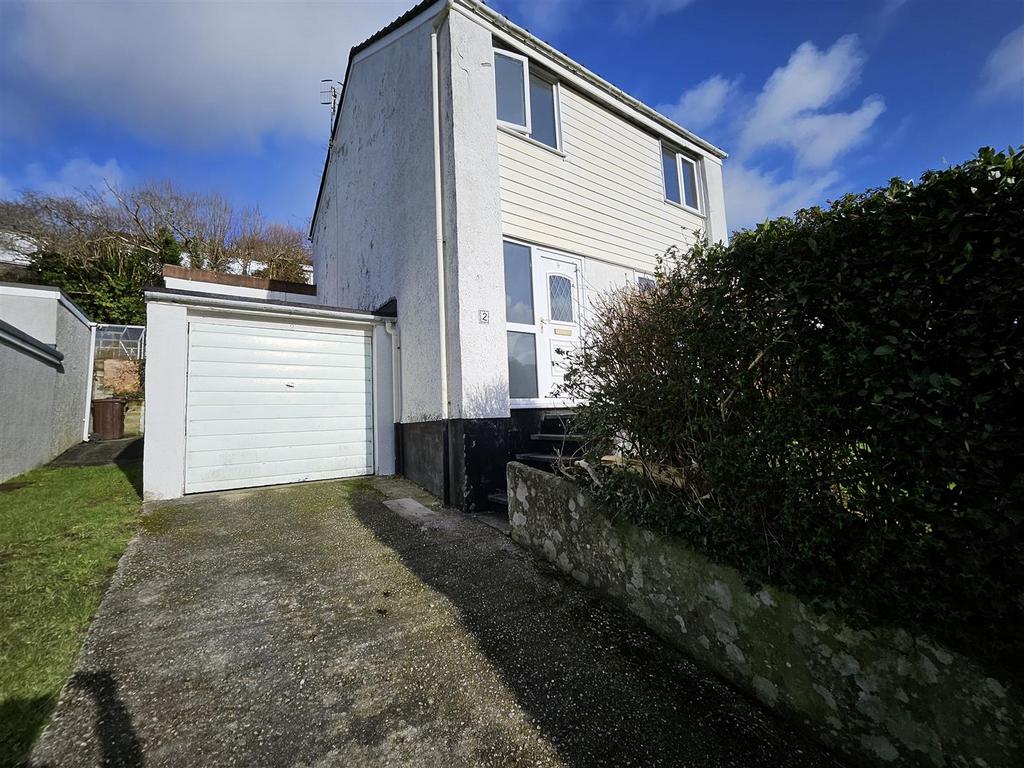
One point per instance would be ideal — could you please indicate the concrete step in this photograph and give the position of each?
(554, 436)
(537, 458)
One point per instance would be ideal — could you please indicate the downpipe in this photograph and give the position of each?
(438, 212)
(88, 382)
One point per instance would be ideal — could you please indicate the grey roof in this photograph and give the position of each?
(32, 341)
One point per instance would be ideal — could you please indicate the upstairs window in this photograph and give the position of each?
(542, 112)
(510, 75)
(526, 101)
(681, 178)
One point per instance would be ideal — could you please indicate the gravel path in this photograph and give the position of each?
(311, 625)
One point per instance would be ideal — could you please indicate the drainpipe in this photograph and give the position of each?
(438, 213)
(88, 381)
(396, 370)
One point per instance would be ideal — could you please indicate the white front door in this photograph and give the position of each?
(557, 288)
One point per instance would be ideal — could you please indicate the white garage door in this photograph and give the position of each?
(276, 403)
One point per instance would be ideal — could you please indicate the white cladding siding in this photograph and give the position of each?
(604, 199)
(270, 404)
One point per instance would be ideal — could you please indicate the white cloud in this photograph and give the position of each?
(6, 189)
(1004, 69)
(788, 142)
(652, 9)
(702, 105)
(889, 7)
(198, 73)
(788, 111)
(543, 17)
(753, 195)
(549, 17)
(80, 174)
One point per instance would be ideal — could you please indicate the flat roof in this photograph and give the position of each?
(385, 311)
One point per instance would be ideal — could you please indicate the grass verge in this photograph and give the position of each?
(61, 532)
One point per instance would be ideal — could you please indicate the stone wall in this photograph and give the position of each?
(878, 696)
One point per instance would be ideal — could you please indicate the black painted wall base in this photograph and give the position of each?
(478, 453)
(461, 461)
(421, 450)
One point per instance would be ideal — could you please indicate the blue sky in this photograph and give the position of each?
(811, 99)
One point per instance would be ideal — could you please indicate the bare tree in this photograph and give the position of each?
(210, 232)
(284, 252)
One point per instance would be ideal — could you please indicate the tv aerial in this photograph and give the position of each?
(330, 92)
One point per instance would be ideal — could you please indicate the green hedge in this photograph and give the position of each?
(834, 403)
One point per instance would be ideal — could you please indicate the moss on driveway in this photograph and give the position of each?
(312, 625)
(61, 532)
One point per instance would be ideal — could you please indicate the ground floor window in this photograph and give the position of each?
(522, 364)
(520, 318)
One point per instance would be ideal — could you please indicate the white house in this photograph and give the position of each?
(480, 189)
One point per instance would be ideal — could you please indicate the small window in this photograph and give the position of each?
(510, 77)
(542, 112)
(680, 173)
(670, 165)
(522, 365)
(689, 179)
(518, 284)
(645, 284)
(560, 298)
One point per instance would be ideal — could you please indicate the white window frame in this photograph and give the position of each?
(528, 128)
(698, 180)
(641, 276)
(556, 97)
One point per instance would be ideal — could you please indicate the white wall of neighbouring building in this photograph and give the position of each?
(43, 395)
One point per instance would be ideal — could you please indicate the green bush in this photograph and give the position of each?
(834, 403)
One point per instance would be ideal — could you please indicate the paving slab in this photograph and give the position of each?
(312, 625)
(96, 453)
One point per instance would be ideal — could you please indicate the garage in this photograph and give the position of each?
(245, 391)
(271, 403)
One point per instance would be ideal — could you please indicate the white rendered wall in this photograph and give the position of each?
(717, 226)
(42, 401)
(163, 463)
(374, 237)
(31, 309)
(477, 351)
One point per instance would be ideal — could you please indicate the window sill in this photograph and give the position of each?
(528, 140)
(686, 208)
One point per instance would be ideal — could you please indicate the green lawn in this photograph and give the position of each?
(61, 532)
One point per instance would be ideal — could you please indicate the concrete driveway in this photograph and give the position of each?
(312, 625)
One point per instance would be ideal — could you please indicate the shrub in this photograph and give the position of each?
(833, 402)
